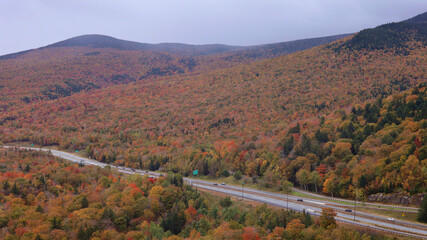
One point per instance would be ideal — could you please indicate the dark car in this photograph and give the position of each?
(215, 184)
(300, 200)
(348, 210)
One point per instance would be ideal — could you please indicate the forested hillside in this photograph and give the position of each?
(378, 147)
(91, 62)
(42, 197)
(332, 119)
(53, 73)
(395, 37)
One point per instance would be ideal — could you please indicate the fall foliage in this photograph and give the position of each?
(43, 197)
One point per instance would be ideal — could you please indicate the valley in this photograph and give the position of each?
(338, 119)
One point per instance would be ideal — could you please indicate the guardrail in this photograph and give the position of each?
(352, 202)
(130, 171)
(390, 231)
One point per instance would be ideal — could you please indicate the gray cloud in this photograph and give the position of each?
(26, 24)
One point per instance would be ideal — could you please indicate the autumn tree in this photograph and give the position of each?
(295, 228)
(315, 180)
(327, 219)
(250, 233)
(303, 177)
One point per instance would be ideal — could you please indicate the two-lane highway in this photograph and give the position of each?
(276, 199)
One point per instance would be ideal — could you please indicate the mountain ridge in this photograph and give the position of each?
(397, 37)
(420, 18)
(104, 41)
(318, 111)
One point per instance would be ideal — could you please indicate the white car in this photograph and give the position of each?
(391, 219)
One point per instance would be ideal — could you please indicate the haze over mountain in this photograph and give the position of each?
(341, 116)
(351, 111)
(420, 18)
(392, 36)
(102, 41)
(195, 22)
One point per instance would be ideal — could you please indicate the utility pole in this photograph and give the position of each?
(355, 206)
(243, 184)
(287, 187)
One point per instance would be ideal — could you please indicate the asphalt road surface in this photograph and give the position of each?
(314, 207)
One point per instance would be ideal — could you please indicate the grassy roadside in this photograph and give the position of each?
(384, 211)
(230, 181)
(405, 216)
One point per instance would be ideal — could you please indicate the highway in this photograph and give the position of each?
(312, 206)
(368, 204)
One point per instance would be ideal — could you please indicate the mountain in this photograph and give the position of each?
(55, 72)
(421, 18)
(90, 62)
(274, 119)
(101, 41)
(272, 50)
(395, 37)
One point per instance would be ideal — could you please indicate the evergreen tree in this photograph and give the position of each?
(295, 129)
(363, 181)
(55, 223)
(39, 209)
(288, 145)
(173, 222)
(422, 212)
(308, 220)
(108, 214)
(6, 185)
(85, 233)
(225, 202)
(322, 121)
(15, 189)
(321, 137)
(27, 168)
(84, 202)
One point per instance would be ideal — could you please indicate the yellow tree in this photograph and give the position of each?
(327, 219)
(295, 228)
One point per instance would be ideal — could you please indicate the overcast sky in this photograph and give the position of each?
(26, 24)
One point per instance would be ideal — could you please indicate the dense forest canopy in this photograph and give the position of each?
(43, 197)
(334, 118)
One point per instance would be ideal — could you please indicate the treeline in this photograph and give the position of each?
(380, 147)
(260, 119)
(43, 197)
(394, 37)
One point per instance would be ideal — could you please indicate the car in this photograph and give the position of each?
(215, 184)
(300, 200)
(391, 219)
(348, 210)
(132, 169)
(223, 184)
(146, 171)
